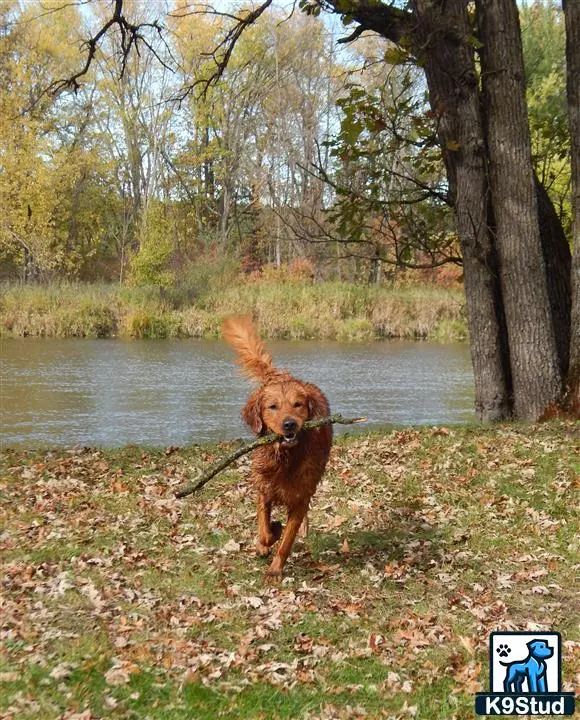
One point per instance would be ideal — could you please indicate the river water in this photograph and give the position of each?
(175, 392)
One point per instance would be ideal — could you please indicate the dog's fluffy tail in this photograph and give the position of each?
(241, 333)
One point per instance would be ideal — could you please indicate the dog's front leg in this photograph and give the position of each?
(295, 517)
(266, 538)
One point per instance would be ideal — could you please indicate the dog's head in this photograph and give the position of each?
(540, 649)
(282, 407)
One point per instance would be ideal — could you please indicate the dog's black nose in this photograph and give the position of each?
(289, 425)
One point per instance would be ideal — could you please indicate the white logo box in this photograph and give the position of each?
(517, 642)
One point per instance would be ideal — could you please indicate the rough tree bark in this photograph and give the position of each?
(535, 368)
(572, 14)
(443, 32)
(557, 258)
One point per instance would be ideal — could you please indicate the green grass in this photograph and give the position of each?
(121, 602)
(293, 309)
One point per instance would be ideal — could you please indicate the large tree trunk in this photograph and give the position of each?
(557, 258)
(535, 368)
(515, 256)
(572, 13)
(443, 33)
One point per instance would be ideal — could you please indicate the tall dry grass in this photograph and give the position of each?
(292, 309)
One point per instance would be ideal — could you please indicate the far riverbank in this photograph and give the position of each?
(291, 310)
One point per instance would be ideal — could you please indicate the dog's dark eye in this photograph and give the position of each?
(298, 404)
(272, 407)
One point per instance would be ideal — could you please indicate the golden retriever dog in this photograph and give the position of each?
(286, 472)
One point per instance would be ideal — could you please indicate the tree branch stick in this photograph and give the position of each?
(189, 488)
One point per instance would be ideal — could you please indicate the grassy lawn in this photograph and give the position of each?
(121, 602)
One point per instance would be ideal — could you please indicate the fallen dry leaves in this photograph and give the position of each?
(422, 542)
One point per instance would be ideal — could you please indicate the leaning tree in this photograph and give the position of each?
(523, 323)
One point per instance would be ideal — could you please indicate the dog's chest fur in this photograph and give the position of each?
(289, 476)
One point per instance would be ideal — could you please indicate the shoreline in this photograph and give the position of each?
(342, 312)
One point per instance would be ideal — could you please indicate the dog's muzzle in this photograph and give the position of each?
(290, 430)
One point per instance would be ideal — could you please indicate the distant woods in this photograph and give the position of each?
(306, 153)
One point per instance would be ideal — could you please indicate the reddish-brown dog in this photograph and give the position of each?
(286, 472)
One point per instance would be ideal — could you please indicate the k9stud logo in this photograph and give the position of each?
(525, 672)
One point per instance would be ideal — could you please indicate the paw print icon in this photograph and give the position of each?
(503, 650)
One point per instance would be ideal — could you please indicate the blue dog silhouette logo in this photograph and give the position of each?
(525, 676)
(531, 669)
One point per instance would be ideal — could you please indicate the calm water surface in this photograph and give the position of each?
(112, 392)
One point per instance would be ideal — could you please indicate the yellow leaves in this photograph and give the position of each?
(46, 44)
(194, 34)
(396, 55)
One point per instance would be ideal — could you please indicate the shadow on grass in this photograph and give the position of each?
(386, 542)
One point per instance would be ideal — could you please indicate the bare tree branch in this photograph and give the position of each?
(383, 18)
(131, 36)
(49, 11)
(222, 53)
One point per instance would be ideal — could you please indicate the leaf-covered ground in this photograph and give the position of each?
(121, 602)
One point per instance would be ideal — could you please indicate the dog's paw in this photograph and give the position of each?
(274, 572)
(503, 650)
(262, 550)
(273, 576)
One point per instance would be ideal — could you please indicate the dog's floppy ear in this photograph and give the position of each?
(317, 403)
(252, 412)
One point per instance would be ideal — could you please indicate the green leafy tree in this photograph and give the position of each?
(543, 41)
(391, 203)
(150, 265)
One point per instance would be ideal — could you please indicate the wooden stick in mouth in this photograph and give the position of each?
(211, 472)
